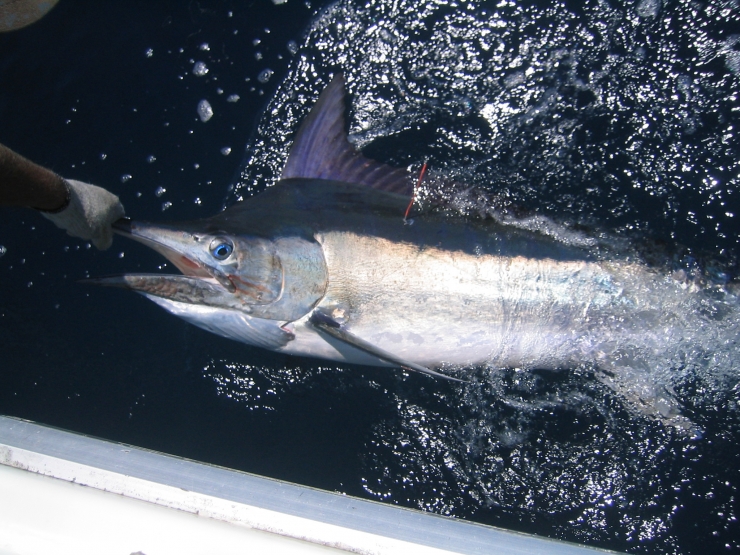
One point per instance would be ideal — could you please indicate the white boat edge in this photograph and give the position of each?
(65, 492)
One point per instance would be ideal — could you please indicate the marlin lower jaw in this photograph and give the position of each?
(190, 290)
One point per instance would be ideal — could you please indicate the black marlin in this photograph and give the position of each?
(323, 264)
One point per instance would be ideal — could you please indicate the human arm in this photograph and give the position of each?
(23, 183)
(83, 210)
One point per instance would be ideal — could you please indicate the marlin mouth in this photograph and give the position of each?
(173, 244)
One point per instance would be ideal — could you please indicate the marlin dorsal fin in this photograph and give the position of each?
(321, 149)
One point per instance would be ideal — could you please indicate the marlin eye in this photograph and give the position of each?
(221, 248)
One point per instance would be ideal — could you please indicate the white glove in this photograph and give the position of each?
(89, 214)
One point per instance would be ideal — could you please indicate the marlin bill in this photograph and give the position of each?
(324, 264)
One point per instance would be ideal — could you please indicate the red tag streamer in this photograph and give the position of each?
(413, 194)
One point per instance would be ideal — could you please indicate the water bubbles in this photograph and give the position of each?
(205, 111)
(731, 50)
(200, 69)
(265, 75)
(514, 79)
(233, 98)
(126, 178)
(198, 201)
(648, 9)
(204, 47)
(3, 250)
(149, 52)
(159, 191)
(102, 156)
(292, 47)
(166, 205)
(151, 158)
(226, 150)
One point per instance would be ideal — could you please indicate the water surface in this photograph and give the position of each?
(614, 117)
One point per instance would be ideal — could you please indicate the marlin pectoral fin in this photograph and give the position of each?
(331, 327)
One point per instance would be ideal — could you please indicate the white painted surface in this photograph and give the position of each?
(62, 492)
(42, 515)
(68, 503)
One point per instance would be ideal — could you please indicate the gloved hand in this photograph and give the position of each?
(89, 214)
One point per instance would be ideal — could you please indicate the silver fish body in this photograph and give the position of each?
(324, 264)
(443, 292)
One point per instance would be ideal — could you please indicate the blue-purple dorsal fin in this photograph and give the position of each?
(321, 150)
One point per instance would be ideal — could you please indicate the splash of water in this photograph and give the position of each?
(620, 118)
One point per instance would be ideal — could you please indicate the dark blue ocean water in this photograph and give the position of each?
(621, 116)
